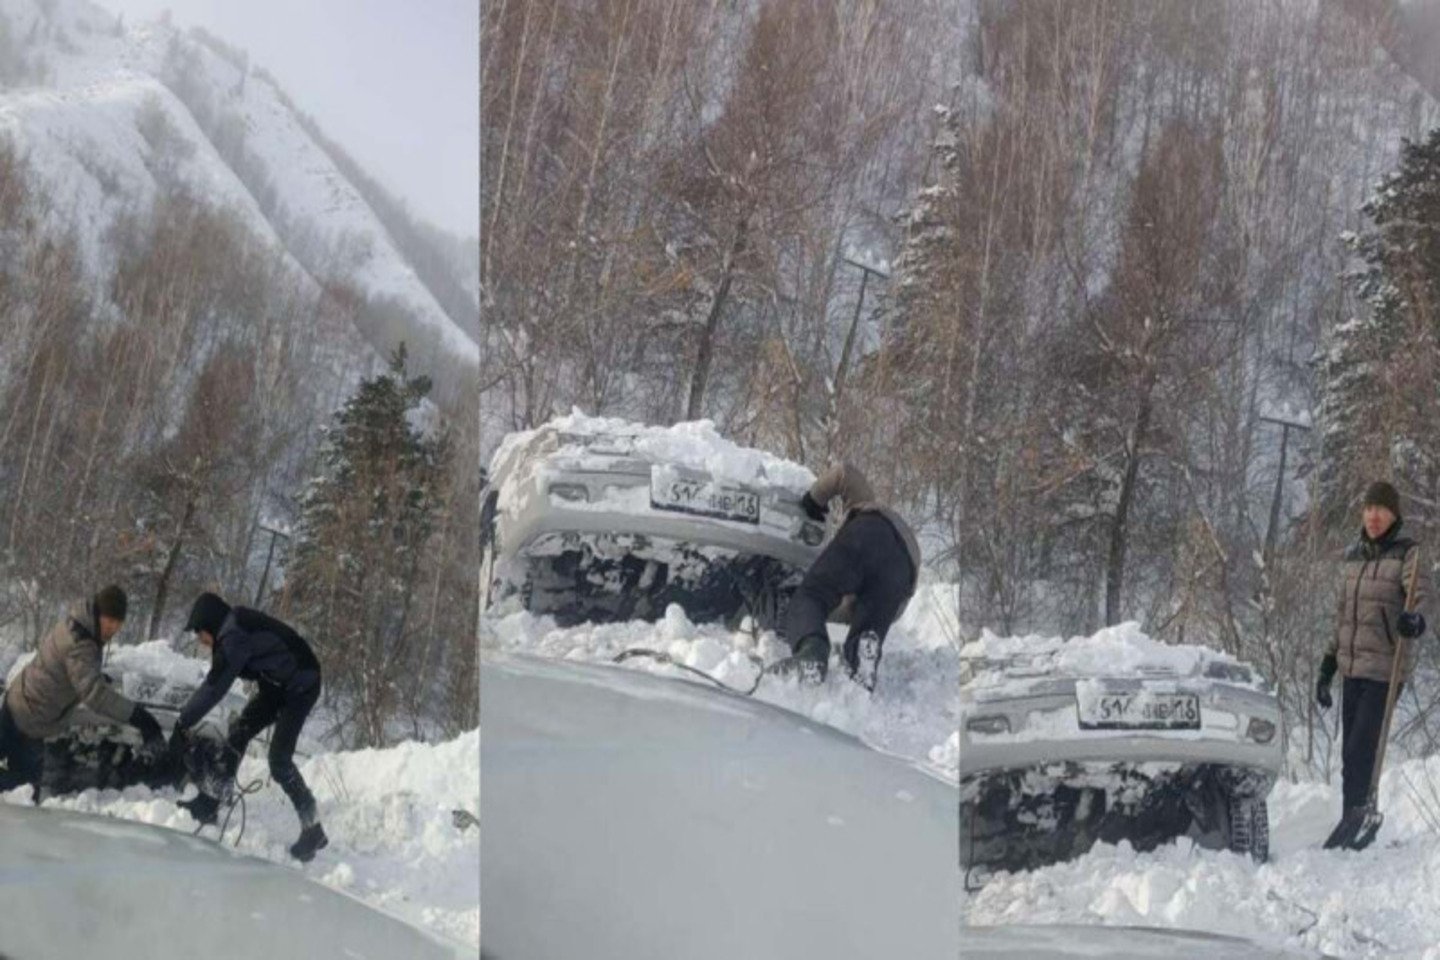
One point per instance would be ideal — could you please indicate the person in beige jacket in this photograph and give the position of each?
(870, 567)
(1372, 614)
(65, 673)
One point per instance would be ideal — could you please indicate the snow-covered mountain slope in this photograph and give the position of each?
(106, 111)
(1376, 903)
(389, 814)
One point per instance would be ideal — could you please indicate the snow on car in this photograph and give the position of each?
(94, 751)
(631, 815)
(591, 519)
(1110, 737)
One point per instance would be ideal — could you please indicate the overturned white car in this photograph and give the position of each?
(94, 752)
(588, 519)
(1110, 737)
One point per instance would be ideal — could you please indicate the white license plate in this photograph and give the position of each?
(1137, 710)
(670, 490)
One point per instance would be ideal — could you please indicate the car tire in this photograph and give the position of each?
(1249, 827)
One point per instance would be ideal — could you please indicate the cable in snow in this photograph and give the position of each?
(665, 658)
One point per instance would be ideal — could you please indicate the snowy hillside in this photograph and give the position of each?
(394, 840)
(105, 111)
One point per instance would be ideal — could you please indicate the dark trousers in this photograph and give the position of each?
(868, 559)
(1362, 714)
(287, 708)
(20, 756)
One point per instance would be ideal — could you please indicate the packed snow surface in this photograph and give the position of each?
(389, 815)
(914, 712)
(695, 445)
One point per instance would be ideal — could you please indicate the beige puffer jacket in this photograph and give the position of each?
(1371, 600)
(65, 673)
(844, 480)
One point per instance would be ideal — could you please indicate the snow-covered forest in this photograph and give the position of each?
(198, 289)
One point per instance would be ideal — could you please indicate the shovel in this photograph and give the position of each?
(1357, 829)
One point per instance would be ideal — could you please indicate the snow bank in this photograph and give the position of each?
(913, 713)
(388, 813)
(696, 445)
(1376, 903)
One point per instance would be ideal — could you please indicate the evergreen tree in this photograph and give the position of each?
(366, 521)
(1379, 393)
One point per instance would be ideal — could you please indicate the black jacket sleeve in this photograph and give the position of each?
(232, 651)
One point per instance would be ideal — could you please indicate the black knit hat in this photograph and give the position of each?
(111, 602)
(208, 613)
(1382, 494)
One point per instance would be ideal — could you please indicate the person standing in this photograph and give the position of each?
(1373, 612)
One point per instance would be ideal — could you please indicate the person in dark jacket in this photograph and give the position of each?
(65, 673)
(1372, 613)
(247, 644)
(865, 575)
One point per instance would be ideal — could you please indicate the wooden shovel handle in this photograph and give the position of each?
(1392, 692)
(1410, 586)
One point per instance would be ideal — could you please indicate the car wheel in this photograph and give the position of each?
(1250, 827)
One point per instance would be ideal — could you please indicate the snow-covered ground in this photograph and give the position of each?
(389, 815)
(913, 713)
(1375, 903)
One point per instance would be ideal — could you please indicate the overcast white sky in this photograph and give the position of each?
(395, 82)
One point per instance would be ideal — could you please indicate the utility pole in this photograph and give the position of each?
(269, 556)
(838, 388)
(1272, 528)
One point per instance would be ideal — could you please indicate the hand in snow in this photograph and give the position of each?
(1411, 625)
(1322, 696)
(812, 509)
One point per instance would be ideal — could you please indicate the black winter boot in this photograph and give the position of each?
(312, 838)
(203, 807)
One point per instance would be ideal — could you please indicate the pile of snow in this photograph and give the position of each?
(389, 815)
(694, 445)
(1376, 903)
(913, 713)
(1119, 651)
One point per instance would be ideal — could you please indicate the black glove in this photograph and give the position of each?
(1328, 666)
(179, 739)
(812, 509)
(1410, 624)
(144, 721)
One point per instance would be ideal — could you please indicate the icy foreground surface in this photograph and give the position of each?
(74, 882)
(913, 713)
(1376, 903)
(639, 816)
(388, 814)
